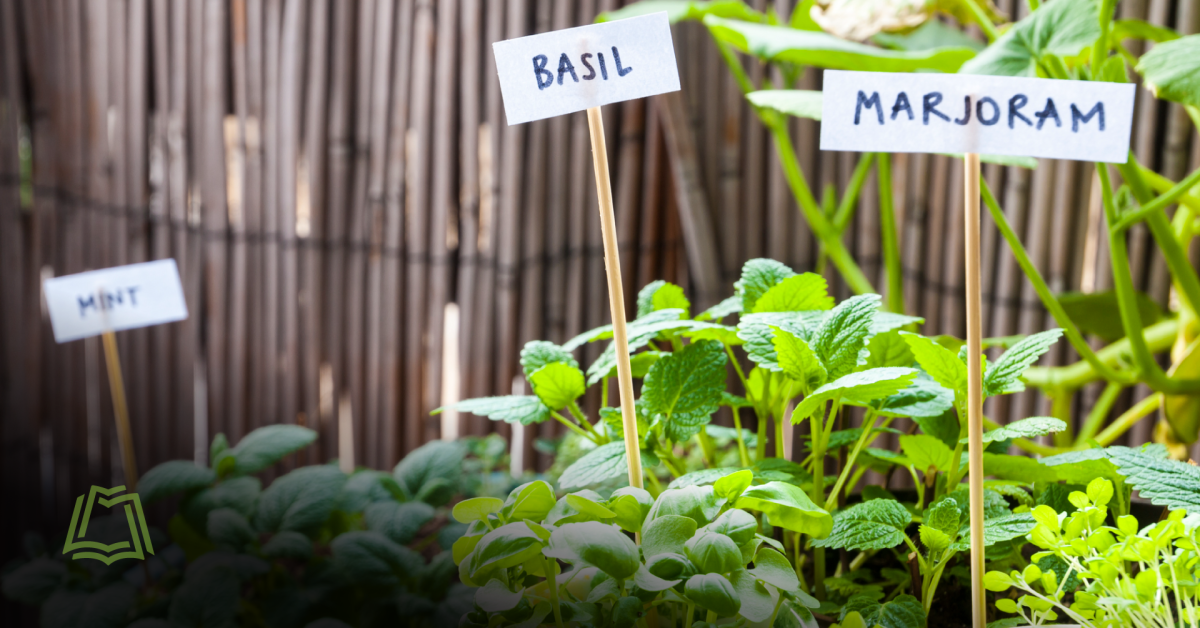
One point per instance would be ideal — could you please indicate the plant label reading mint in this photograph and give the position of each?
(112, 299)
(573, 69)
(966, 113)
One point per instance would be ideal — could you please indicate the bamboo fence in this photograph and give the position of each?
(330, 176)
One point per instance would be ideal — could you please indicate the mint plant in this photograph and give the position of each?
(1122, 575)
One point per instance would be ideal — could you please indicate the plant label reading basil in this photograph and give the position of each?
(963, 113)
(570, 70)
(112, 299)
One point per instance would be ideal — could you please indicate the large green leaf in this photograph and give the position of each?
(434, 462)
(680, 10)
(523, 409)
(843, 332)
(798, 293)
(1172, 70)
(872, 525)
(926, 452)
(781, 43)
(685, 387)
(300, 501)
(788, 507)
(398, 522)
(1092, 312)
(802, 103)
(267, 445)
(1063, 28)
(602, 463)
(1019, 468)
(923, 399)
(1164, 482)
(506, 546)
(758, 276)
(539, 353)
(905, 611)
(939, 362)
(797, 360)
(930, 35)
(1004, 376)
(174, 476)
(888, 349)
(595, 544)
(667, 534)
(605, 332)
(757, 600)
(698, 503)
(371, 558)
(558, 384)
(1025, 428)
(860, 387)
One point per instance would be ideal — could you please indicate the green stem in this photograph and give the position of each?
(1100, 50)
(656, 487)
(1186, 279)
(691, 613)
(825, 232)
(1162, 184)
(1159, 337)
(845, 209)
(1048, 299)
(572, 426)
(780, 449)
(743, 452)
(1127, 420)
(868, 427)
(711, 617)
(1174, 194)
(1060, 408)
(550, 567)
(891, 247)
(985, 22)
(708, 447)
(933, 580)
(1099, 412)
(604, 392)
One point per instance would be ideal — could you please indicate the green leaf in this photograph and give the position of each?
(788, 507)
(371, 558)
(523, 409)
(666, 534)
(602, 463)
(934, 539)
(595, 544)
(1025, 428)
(797, 293)
(631, 505)
(494, 597)
(861, 387)
(240, 494)
(839, 339)
(888, 349)
(476, 509)
(267, 445)
(685, 387)
(172, 477)
(680, 10)
(34, 582)
(731, 305)
(288, 545)
(209, 598)
(1092, 312)
(645, 297)
(932, 34)
(1004, 376)
(939, 362)
(230, 528)
(1064, 28)
(771, 567)
(506, 546)
(1164, 482)
(301, 500)
(871, 525)
(758, 276)
(739, 525)
(1007, 527)
(780, 43)
(1020, 468)
(944, 516)
(797, 360)
(1170, 70)
(558, 384)
(605, 332)
(434, 461)
(712, 552)
(538, 353)
(640, 335)
(905, 611)
(802, 103)
(926, 452)
(669, 296)
(531, 501)
(757, 600)
(923, 399)
(699, 503)
(713, 592)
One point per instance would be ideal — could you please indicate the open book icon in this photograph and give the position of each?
(110, 553)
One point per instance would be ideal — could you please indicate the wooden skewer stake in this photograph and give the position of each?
(616, 295)
(116, 386)
(974, 386)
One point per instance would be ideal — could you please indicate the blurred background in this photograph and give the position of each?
(363, 239)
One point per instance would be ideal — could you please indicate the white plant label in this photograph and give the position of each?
(112, 299)
(967, 113)
(561, 72)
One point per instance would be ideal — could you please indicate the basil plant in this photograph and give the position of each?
(702, 557)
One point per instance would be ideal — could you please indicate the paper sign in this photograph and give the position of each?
(112, 299)
(573, 69)
(967, 113)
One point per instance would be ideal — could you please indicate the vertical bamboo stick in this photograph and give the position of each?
(974, 387)
(116, 384)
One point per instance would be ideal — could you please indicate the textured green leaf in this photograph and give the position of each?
(288, 544)
(267, 445)
(686, 388)
(798, 293)
(645, 297)
(1019, 468)
(1164, 482)
(860, 387)
(944, 516)
(1172, 70)
(595, 544)
(939, 362)
(1032, 427)
(301, 500)
(602, 463)
(758, 276)
(730, 305)
(888, 349)
(605, 332)
(802, 103)
(371, 558)
(1006, 527)
(1064, 28)
(172, 477)
(905, 611)
(796, 359)
(926, 452)
(1004, 376)
(932, 538)
(788, 507)
(531, 501)
(840, 337)
(781, 43)
(523, 409)
(558, 384)
(670, 296)
(640, 335)
(539, 353)
(437, 460)
(871, 525)
(506, 546)
(230, 528)
(922, 399)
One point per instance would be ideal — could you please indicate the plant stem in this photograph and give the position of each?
(743, 453)
(845, 209)
(711, 617)
(1060, 408)
(1099, 412)
(708, 447)
(691, 613)
(891, 247)
(985, 22)
(1048, 299)
(550, 566)
(863, 439)
(780, 449)
(604, 392)
(1127, 420)
(1159, 338)
(572, 426)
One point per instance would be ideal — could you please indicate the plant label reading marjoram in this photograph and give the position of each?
(573, 69)
(967, 113)
(112, 299)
